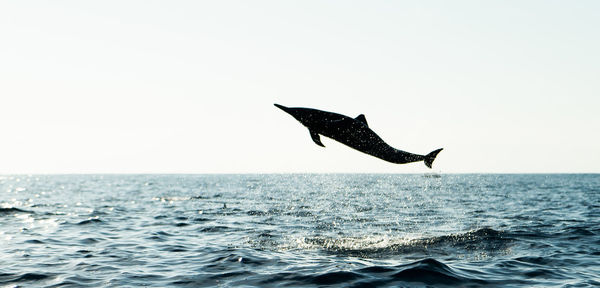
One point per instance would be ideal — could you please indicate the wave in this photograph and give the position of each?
(13, 210)
(91, 220)
(228, 270)
(428, 271)
(25, 277)
(431, 272)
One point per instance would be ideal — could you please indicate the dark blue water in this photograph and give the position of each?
(300, 230)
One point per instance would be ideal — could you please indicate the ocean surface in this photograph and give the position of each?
(296, 230)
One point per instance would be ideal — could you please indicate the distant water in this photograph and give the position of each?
(300, 230)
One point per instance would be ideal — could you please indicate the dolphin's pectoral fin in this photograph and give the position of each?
(362, 119)
(315, 137)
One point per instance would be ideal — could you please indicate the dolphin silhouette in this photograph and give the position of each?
(353, 132)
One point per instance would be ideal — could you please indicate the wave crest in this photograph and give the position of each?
(428, 271)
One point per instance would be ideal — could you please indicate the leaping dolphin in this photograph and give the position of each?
(353, 132)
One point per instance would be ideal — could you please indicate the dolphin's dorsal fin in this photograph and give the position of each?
(362, 119)
(315, 137)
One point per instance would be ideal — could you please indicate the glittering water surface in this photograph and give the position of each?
(300, 230)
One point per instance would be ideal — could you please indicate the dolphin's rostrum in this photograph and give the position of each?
(353, 132)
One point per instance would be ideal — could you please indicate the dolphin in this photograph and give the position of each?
(353, 132)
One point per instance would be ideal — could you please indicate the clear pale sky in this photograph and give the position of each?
(189, 86)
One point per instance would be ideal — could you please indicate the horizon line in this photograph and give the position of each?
(293, 173)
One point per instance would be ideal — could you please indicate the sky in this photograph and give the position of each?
(189, 86)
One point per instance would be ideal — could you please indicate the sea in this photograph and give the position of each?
(300, 230)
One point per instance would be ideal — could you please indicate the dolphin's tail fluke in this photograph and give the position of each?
(431, 156)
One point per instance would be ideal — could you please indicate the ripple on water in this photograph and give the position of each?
(12, 210)
(93, 220)
(215, 229)
(89, 241)
(25, 277)
(34, 241)
(428, 271)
